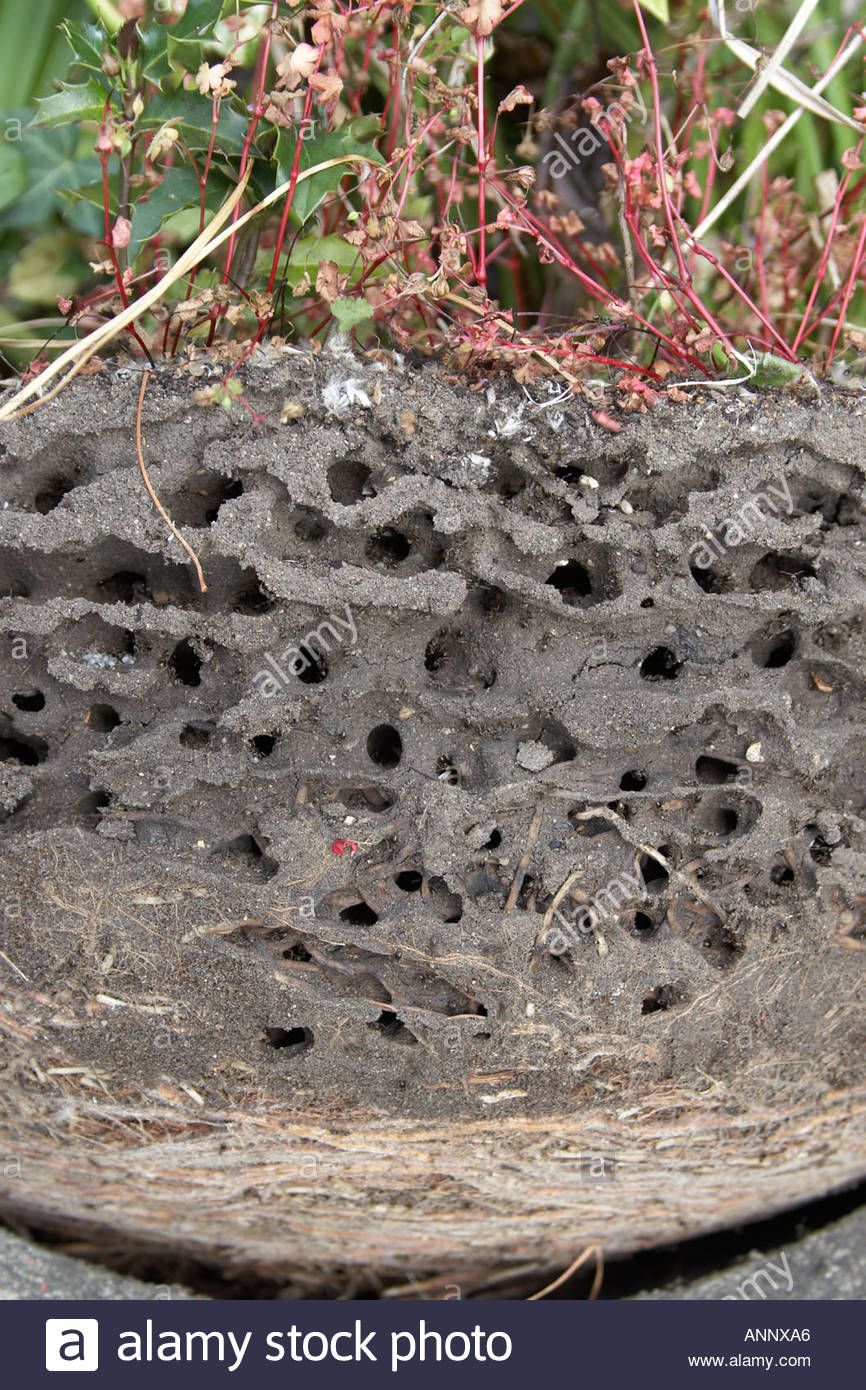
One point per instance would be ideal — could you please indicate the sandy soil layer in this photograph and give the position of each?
(476, 869)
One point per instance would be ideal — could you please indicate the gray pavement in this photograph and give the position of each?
(32, 1271)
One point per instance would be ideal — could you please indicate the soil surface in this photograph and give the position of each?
(324, 839)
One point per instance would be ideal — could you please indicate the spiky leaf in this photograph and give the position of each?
(79, 101)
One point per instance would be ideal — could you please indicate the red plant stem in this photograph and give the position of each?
(257, 112)
(287, 205)
(481, 264)
(826, 253)
(856, 266)
(660, 159)
(104, 157)
(759, 244)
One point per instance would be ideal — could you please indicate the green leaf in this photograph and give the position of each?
(774, 371)
(178, 190)
(40, 270)
(191, 114)
(83, 101)
(350, 312)
(189, 34)
(88, 43)
(354, 137)
(154, 53)
(52, 164)
(29, 48)
(309, 253)
(13, 175)
(658, 9)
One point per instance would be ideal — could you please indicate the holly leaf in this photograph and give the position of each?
(354, 137)
(178, 190)
(191, 114)
(81, 101)
(187, 35)
(658, 9)
(88, 43)
(154, 53)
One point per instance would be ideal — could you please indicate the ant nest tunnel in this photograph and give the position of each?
(476, 871)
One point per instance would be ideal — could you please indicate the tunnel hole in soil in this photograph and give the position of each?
(316, 669)
(655, 876)
(29, 701)
(198, 503)
(197, 734)
(263, 745)
(715, 771)
(717, 819)
(384, 746)
(359, 914)
(409, 880)
(490, 600)
(782, 873)
(52, 493)
(247, 852)
(102, 718)
(312, 527)
(349, 481)
(448, 905)
(660, 664)
(185, 664)
(643, 926)
(388, 547)
(773, 650)
(366, 799)
(253, 598)
(712, 581)
(393, 1028)
(292, 1041)
(297, 952)
(495, 839)
(125, 586)
(821, 851)
(90, 807)
(16, 747)
(590, 826)
(632, 781)
(572, 582)
(661, 998)
(779, 570)
(447, 770)
(507, 480)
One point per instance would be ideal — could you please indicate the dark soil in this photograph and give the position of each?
(537, 667)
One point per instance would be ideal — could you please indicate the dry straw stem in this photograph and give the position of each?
(767, 148)
(204, 245)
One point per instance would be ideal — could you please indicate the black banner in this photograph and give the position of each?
(489, 1346)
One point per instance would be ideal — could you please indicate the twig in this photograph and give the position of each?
(523, 862)
(14, 967)
(153, 497)
(572, 1269)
